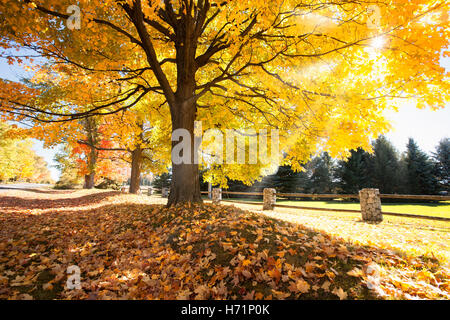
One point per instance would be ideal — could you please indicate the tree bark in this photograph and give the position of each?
(185, 186)
(136, 159)
(92, 136)
(89, 181)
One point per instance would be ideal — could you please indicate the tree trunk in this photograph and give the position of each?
(136, 159)
(89, 181)
(92, 137)
(185, 186)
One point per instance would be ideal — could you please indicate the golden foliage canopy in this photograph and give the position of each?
(322, 72)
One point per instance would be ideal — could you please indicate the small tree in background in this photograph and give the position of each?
(162, 181)
(17, 158)
(67, 165)
(41, 172)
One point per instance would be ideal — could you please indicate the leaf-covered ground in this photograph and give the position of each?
(131, 247)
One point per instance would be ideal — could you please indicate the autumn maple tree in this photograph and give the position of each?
(91, 151)
(17, 159)
(142, 142)
(321, 72)
(105, 146)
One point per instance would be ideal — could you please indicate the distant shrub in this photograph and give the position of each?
(66, 182)
(64, 185)
(109, 184)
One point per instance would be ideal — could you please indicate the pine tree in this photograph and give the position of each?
(420, 178)
(402, 187)
(354, 174)
(162, 181)
(321, 177)
(385, 174)
(287, 180)
(442, 164)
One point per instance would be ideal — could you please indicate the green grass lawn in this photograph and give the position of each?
(441, 209)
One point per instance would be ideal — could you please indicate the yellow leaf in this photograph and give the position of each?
(303, 286)
(340, 293)
(355, 272)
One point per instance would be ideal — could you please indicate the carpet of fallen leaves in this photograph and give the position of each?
(131, 247)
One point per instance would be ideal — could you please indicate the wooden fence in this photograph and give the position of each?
(340, 196)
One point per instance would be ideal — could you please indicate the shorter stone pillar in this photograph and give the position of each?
(216, 195)
(270, 198)
(123, 189)
(150, 191)
(165, 192)
(370, 205)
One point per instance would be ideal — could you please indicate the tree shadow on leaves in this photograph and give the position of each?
(18, 203)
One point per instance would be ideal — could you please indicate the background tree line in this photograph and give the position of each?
(18, 161)
(412, 172)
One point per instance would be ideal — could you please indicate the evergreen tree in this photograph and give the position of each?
(442, 164)
(284, 181)
(354, 174)
(402, 187)
(162, 181)
(288, 181)
(385, 173)
(321, 177)
(420, 178)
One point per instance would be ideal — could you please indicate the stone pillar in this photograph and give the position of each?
(123, 189)
(270, 198)
(370, 205)
(150, 191)
(216, 195)
(165, 192)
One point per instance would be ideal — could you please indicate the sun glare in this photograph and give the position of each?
(378, 43)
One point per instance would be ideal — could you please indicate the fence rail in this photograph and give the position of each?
(414, 197)
(309, 195)
(337, 196)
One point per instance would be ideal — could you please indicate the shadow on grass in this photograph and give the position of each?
(39, 191)
(17, 203)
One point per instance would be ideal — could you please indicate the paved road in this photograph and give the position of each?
(22, 186)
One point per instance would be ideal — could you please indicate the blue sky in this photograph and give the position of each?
(427, 127)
